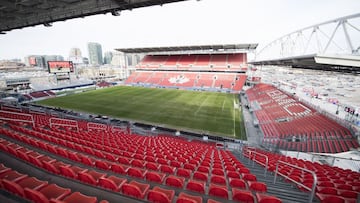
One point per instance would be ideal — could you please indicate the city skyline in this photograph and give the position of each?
(176, 24)
(95, 53)
(75, 55)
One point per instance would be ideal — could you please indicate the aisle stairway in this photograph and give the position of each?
(287, 192)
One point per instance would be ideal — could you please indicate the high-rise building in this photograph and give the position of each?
(35, 60)
(75, 56)
(95, 53)
(108, 57)
(41, 60)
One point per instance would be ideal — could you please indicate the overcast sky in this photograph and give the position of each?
(184, 23)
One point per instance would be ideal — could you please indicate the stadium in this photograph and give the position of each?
(189, 124)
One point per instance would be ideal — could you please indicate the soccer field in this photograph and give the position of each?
(203, 112)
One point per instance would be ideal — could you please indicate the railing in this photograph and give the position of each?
(98, 126)
(254, 159)
(302, 185)
(53, 120)
(30, 120)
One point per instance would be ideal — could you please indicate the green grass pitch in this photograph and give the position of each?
(203, 112)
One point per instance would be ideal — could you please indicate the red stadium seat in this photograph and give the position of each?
(3, 168)
(183, 172)
(242, 196)
(102, 164)
(90, 177)
(135, 172)
(217, 166)
(158, 194)
(348, 193)
(327, 190)
(152, 166)
(200, 176)
(110, 157)
(189, 166)
(196, 186)
(230, 168)
(150, 159)
(212, 201)
(175, 181)
(77, 197)
(206, 163)
(138, 157)
(218, 191)
(203, 169)
(186, 198)
(52, 191)
(249, 177)
(343, 186)
(12, 176)
(154, 176)
(70, 171)
(112, 182)
(167, 169)
(73, 156)
(326, 184)
(233, 174)
(244, 170)
(218, 180)
(119, 168)
(135, 189)
(18, 187)
(137, 163)
(257, 186)
(218, 171)
(87, 160)
(238, 183)
(124, 160)
(263, 198)
(331, 199)
(162, 161)
(175, 164)
(54, 167)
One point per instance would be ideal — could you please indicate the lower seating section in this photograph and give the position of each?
(333, 184)
(36, 190)
(39, 94)
(291, 125)
(150, 168)
(186, 79)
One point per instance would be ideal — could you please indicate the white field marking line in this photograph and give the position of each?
(223, 105)
(198, 109)
(234, 118)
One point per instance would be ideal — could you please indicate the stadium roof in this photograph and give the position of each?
(316, 61)
(202, 48)
(24, 13)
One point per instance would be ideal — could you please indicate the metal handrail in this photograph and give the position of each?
(254, 158)
(300, 168)
(266, 160)
(248, 149)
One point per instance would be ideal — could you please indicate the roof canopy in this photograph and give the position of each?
(25, 13)
(217, 48)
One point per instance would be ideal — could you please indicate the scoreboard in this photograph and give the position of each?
(60, 66)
